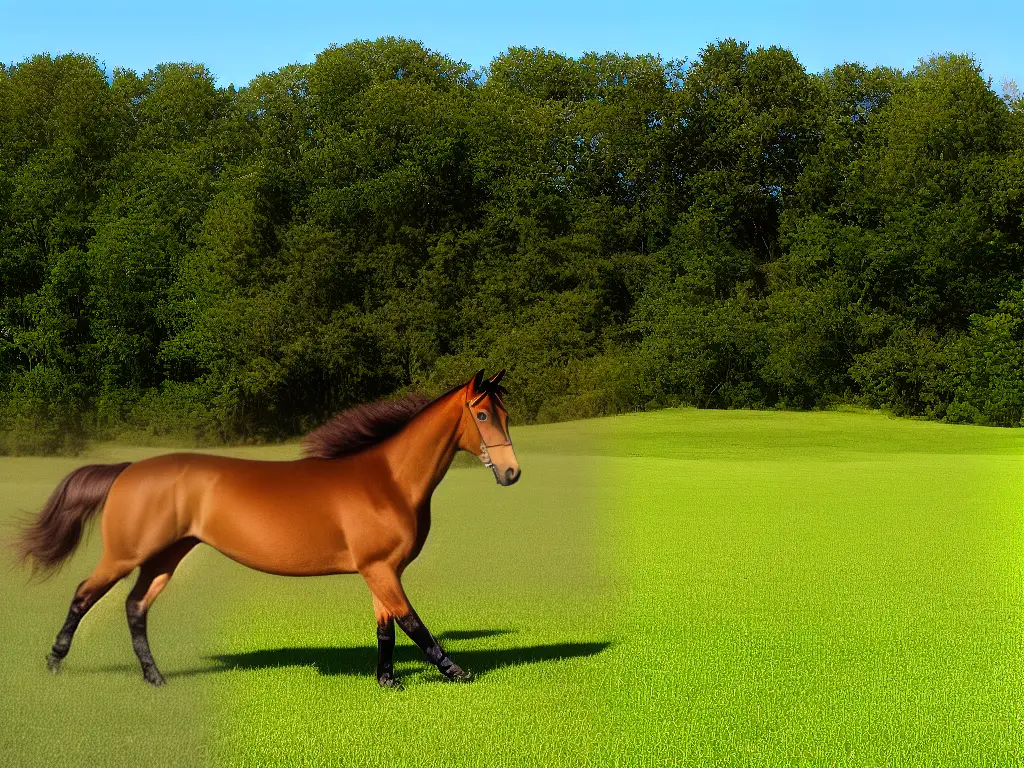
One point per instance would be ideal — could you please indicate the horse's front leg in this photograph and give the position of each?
(385, 646)
(415, 629)
(392, 605)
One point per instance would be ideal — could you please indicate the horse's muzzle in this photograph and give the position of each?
(508, 477)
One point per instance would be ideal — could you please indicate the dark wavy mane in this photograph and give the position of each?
(356, 429)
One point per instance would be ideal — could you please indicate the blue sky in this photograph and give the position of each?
(238, 40)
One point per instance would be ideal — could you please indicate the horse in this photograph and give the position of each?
(358, 501)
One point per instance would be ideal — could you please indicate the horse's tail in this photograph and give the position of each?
(55, 532)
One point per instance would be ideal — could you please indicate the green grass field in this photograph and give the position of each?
(676, 588)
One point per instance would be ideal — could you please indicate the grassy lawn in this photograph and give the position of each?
(675, 588)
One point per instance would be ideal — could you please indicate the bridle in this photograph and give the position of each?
(485, 456)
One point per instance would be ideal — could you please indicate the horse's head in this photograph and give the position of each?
(487, 437)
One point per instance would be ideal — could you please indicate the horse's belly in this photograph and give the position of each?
(287, 541)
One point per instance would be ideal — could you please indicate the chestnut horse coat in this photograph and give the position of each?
(358, 503)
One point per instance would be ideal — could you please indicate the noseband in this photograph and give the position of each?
(485, 457)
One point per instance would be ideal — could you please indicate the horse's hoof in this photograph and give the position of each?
(459, 675)
(390, 681)
(53, 664)
(155, 679)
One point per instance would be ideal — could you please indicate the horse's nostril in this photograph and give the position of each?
(511, 475)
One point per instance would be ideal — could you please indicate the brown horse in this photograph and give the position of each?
(359, 502)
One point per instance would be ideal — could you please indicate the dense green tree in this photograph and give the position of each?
(618, 231)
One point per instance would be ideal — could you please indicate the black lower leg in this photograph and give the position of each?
(418, 633)
(140, 643)
(386, 653)
(61, 646)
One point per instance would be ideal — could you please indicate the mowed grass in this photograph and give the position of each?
(676, 588)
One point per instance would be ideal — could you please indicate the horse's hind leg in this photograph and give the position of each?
(153, 577)
(89, 592)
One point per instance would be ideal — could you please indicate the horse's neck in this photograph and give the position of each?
(421, 454)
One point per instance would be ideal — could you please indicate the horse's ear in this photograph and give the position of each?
(496, 377)
(478, 380)
(499, 392)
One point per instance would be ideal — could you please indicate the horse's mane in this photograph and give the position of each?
(356, 429)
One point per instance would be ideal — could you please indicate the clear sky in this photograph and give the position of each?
(239, 39)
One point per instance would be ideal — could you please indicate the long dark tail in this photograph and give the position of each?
(54, 534)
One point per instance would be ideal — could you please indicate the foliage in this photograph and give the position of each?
(620, 232)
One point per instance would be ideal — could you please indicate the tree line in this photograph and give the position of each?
(620, 232)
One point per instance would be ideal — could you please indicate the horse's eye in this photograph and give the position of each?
(482, 416)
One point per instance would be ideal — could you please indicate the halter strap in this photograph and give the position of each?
(485, 456)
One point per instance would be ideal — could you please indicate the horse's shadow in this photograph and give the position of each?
(361, 660)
